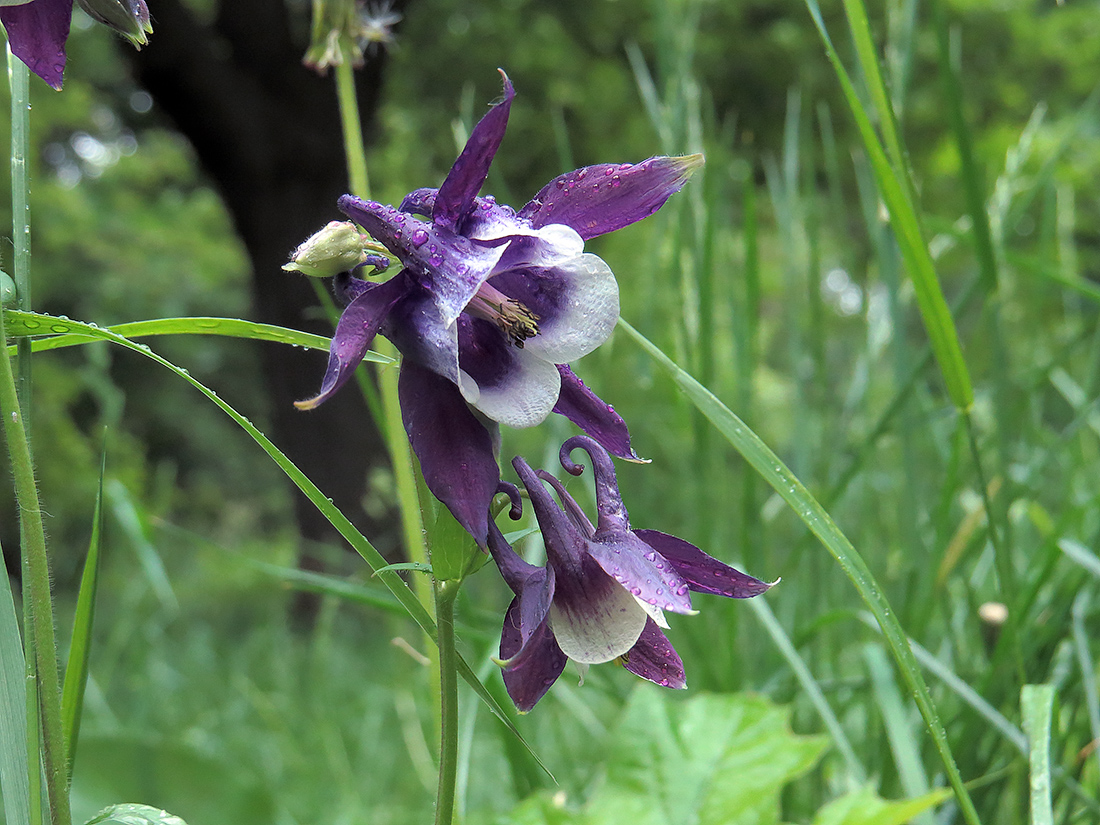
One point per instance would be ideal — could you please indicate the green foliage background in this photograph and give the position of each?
(773, 278)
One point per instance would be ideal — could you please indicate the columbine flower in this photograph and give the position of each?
(604, 589)
(37, 30)
(491, 305)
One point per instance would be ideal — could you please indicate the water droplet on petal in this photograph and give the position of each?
(419, 237)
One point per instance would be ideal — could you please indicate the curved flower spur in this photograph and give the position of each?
(604, 589)
(491, 305)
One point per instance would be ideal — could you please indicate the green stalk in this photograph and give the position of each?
(412, 524)
(15, 407)
(445, 593)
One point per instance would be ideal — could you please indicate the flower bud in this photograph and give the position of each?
(130, 18)
(8, 297)
(338, 247)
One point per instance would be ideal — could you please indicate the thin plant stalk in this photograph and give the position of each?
(410, 503)
(15, 407)
(445, 593)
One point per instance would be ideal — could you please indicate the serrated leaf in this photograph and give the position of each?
(130, 814)
(713, 759)
(865, 807)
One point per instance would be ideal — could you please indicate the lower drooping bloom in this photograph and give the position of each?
(604, 590)
(37, 30)
(491, 305)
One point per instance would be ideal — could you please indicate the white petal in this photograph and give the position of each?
(525, 397)
(587, 316)
(604, 630)
(654, 612)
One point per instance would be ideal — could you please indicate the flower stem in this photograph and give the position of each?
(353, 130)
(445, 593)
(14, 407)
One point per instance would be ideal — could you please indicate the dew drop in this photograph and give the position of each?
(608, 171)
(419, 237)
(651, 556)
(436, 259)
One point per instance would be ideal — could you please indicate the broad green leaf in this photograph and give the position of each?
(130, 814)
(711, 759)
(76, 671)
(865, 807)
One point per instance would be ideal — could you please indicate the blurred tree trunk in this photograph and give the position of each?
(267, 131)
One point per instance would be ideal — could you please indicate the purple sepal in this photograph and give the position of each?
(419, 201)
(37, 32)
(528, 677)
(654, 581)
(454, 447)
(654, 658)
(585, 409)
(355, 332)
(469, 171)
(595, 200)
(703, 573)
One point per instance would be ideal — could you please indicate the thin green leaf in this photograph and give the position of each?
(791, 490)
(1080, 554)
(809, 684)
(357, 540)
(405, 565)
(13, 712)
(901, 203)
(59, 334)
(899, 728)
(1036, 704)
(76, 671)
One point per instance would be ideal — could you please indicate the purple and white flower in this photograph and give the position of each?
(604, 590)
(491, 305)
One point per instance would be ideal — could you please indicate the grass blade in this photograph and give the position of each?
(1036, 704)
(59, 335)
(13, 712)
(897, 192)
(813, 515)
(76, 671)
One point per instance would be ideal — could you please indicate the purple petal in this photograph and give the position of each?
(417, 328)
(449, 266)
(355, 331)
(612, 518)
(527, 678)
(585, 409)
(37, 32)
(466, 177)
(595, 200)
(703, 573)
(454, 447)
(515, 571)
(654, 658)
(569, 504)
(645, 574)
(419, 201)
(566, 543)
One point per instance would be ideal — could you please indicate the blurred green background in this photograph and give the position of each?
(773, 278)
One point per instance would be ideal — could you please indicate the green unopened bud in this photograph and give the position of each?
(7, 290)
(130, 18)
(339, 247)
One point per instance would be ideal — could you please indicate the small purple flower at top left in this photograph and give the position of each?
(37, 30)
(491, 305)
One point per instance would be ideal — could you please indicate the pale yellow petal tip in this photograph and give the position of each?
(307, 404)
(692, 162)
(774, 583)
